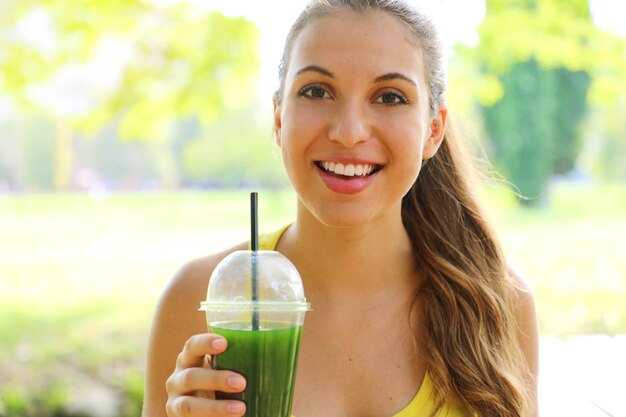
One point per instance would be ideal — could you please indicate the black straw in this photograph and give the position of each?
(254, 220)
(254, 245)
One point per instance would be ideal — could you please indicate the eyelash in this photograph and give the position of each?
(401, 100)
(307, 89)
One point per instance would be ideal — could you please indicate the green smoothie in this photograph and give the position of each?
(267, 359)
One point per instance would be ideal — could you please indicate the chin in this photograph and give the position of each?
(343, 215)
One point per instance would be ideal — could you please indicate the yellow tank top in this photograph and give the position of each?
(423, 404)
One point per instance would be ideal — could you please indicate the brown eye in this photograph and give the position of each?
(391, 99)
(314, 91)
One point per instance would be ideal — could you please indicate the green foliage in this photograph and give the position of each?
(187, 65)
(53, 353)
(33, 400)
(235, 152)
(181, 62)
(604, 151)
(556, 34)
(36, 153)
(133, 389)
(27, 153)
(119, 164)
(518, 129)
(535, 129)
(76, 28)
(168, 64)
(571, 92)
(540, 71)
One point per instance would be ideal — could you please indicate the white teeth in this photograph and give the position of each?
(348, 170)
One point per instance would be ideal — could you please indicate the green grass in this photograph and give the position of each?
(578, 272)
(573, 254)
(118, 247)
(79, 277)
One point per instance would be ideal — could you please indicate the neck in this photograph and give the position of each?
(365, 262)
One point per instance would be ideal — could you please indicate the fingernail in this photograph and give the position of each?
(236, 382)
(235, 407)
(218, 343)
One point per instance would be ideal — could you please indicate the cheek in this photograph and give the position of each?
(290, 140)
(293, 149)
(412, 168)
(408, 151)
(304, 120)
(407, 137)
(300, 128)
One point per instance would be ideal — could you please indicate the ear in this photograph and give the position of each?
(436, 133)
(277, 121)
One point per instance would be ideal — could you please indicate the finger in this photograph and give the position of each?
(197, 347)
(189, 380)
(200, 407)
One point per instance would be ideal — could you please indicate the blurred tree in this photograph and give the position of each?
(36, 148)
(106, 163)
(571, 89)
(534, 128)
(604, 151)
(540, 63)
(234, 154)
(519, 127)
(153, 65)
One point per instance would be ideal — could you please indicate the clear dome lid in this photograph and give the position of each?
(264, 280)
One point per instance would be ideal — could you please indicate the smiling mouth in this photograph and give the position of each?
(348, 170)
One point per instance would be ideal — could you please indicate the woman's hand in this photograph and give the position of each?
(193, 378)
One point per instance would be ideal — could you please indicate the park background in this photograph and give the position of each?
(131, 132)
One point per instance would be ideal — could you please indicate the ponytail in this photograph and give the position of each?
(470, 343)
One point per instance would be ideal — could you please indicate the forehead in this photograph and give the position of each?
(373, 40)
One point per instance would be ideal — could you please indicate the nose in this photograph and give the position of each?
(350, 125)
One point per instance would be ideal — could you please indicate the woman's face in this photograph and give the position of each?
(354, 122)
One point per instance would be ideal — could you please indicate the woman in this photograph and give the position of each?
(415, 312)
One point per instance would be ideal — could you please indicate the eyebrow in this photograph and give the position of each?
(316, 68)
(384, 77)
(394, 76)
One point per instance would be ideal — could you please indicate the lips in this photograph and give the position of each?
(348, 170)
(347, 177)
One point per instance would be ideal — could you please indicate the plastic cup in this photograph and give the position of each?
(256, 301)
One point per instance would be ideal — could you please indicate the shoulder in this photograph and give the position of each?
(188, 286)
(527, 329)
(524, 301)
(177, 309)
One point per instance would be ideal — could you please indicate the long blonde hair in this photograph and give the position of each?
(470, 343)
